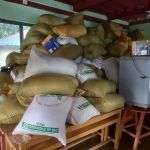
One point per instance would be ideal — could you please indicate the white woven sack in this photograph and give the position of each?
(42, 63)
(111, 68)
(46, 115)
(81, 111)
(17, 77)
(85, 73)
(67, 40)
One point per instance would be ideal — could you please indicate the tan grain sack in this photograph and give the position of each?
(5, 81)
(46, 84)
(93, 51)
(11, 111)
(120, 46)
(108, 103)
(100, 31)
(89, 39)
(76, 19)
(68, 51)
(13, 88)
(34, 38)
(51, 20)
(116, 29)
(16, 58)
(40, 27)
(39, 48)
(70, 30)
(98, 87)
(83, 40)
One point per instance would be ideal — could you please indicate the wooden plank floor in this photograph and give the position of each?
(125, 144)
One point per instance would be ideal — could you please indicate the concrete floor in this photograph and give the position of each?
(125, 144)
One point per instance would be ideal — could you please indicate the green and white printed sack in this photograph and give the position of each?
(85, 73)
(46, 115)
(82, 110)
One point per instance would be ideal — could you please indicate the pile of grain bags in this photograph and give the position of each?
(36, 71)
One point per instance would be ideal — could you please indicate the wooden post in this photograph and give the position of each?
(118, 132)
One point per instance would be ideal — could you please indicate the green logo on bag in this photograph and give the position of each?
(84, 105)
(31, 127)
(89, 71)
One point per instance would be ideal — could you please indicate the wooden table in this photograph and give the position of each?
(75, 134)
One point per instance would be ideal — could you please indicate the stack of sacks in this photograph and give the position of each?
(102, 94)
(46, 75)
(41, 79)
(48, 90)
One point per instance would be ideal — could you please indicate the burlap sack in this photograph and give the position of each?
(76, 19)
(100, 31)
(108, 103)
(93, 51)
(68, 51)
(46, 84)
(34, 38)
(98, 87)
(5, 81)
(16, 58)
(116, 29)
(50, 20)
(90, 38)
(119, 47)
(13, 88)
(136, 35)
(40, 27)
(70, 30)
(39, 48)
(11, 111)
(83, 40)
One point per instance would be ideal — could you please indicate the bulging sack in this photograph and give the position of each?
(13, 88)
(15, 58)
(68, 51)
(46, 116)
(108, 103)
(10, 111)
(70, 30)
(81, 111)
(40, 27)
(76, 19)
(46, 84)
(85, 73)
(38, 47)
(98, 87)
(51, 20)
(5, 81)
(100, 31)
(94, 51)
(34, 38)
(49, 65)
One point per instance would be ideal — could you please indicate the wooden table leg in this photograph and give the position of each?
(102, 135)
(138, 131)
(117, 133)
(106, 131)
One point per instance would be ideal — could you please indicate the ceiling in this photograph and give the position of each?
(129, 10)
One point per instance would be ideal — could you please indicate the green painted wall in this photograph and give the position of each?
(144, 27)
(16, 12)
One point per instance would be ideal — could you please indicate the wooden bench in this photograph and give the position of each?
(75, 134)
